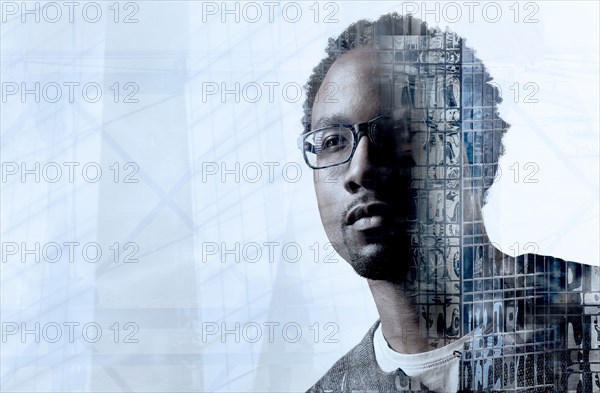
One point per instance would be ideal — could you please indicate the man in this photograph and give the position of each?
(403, 134)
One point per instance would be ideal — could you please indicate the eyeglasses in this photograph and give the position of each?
(335, 144)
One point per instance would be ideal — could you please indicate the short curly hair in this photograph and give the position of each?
(479, 97)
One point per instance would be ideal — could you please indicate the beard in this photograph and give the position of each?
(389, 258)
(419, 251)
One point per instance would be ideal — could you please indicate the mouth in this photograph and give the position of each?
(371, 216)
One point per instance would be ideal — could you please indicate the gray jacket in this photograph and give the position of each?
(556, 352)
(358, 371)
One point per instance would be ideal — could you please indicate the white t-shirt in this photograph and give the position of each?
(437, 369)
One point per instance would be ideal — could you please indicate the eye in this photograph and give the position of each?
(334, 141)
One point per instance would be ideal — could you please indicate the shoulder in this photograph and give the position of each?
(556, 274)
(357, 369)
(536, 260)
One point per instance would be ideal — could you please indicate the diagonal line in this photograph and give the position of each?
(105, 268)
(145, 176)
(115, 377)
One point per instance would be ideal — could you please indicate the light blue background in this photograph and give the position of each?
(175, 133)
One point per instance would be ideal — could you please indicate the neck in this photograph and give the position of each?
(399, 317)
(409, 315)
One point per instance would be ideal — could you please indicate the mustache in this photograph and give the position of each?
(371, 197)
(362, 199)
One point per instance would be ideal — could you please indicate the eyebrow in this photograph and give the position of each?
(333, 119)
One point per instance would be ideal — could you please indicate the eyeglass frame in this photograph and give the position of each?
(358, 131)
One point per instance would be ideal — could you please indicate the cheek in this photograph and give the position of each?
(329, 188)
(417, 149)
(424, 152)
(331, 206)
(325, 200)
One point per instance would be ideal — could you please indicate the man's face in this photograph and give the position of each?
(371, 205)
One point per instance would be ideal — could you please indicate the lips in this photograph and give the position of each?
(369, 215)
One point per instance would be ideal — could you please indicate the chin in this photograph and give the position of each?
(381, 262)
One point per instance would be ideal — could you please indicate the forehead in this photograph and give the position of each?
(435, 78)
(416, 75)
(349, 88)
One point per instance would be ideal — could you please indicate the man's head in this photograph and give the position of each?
(394, 206)
(362, 202)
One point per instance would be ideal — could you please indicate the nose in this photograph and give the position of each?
(365, 171)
